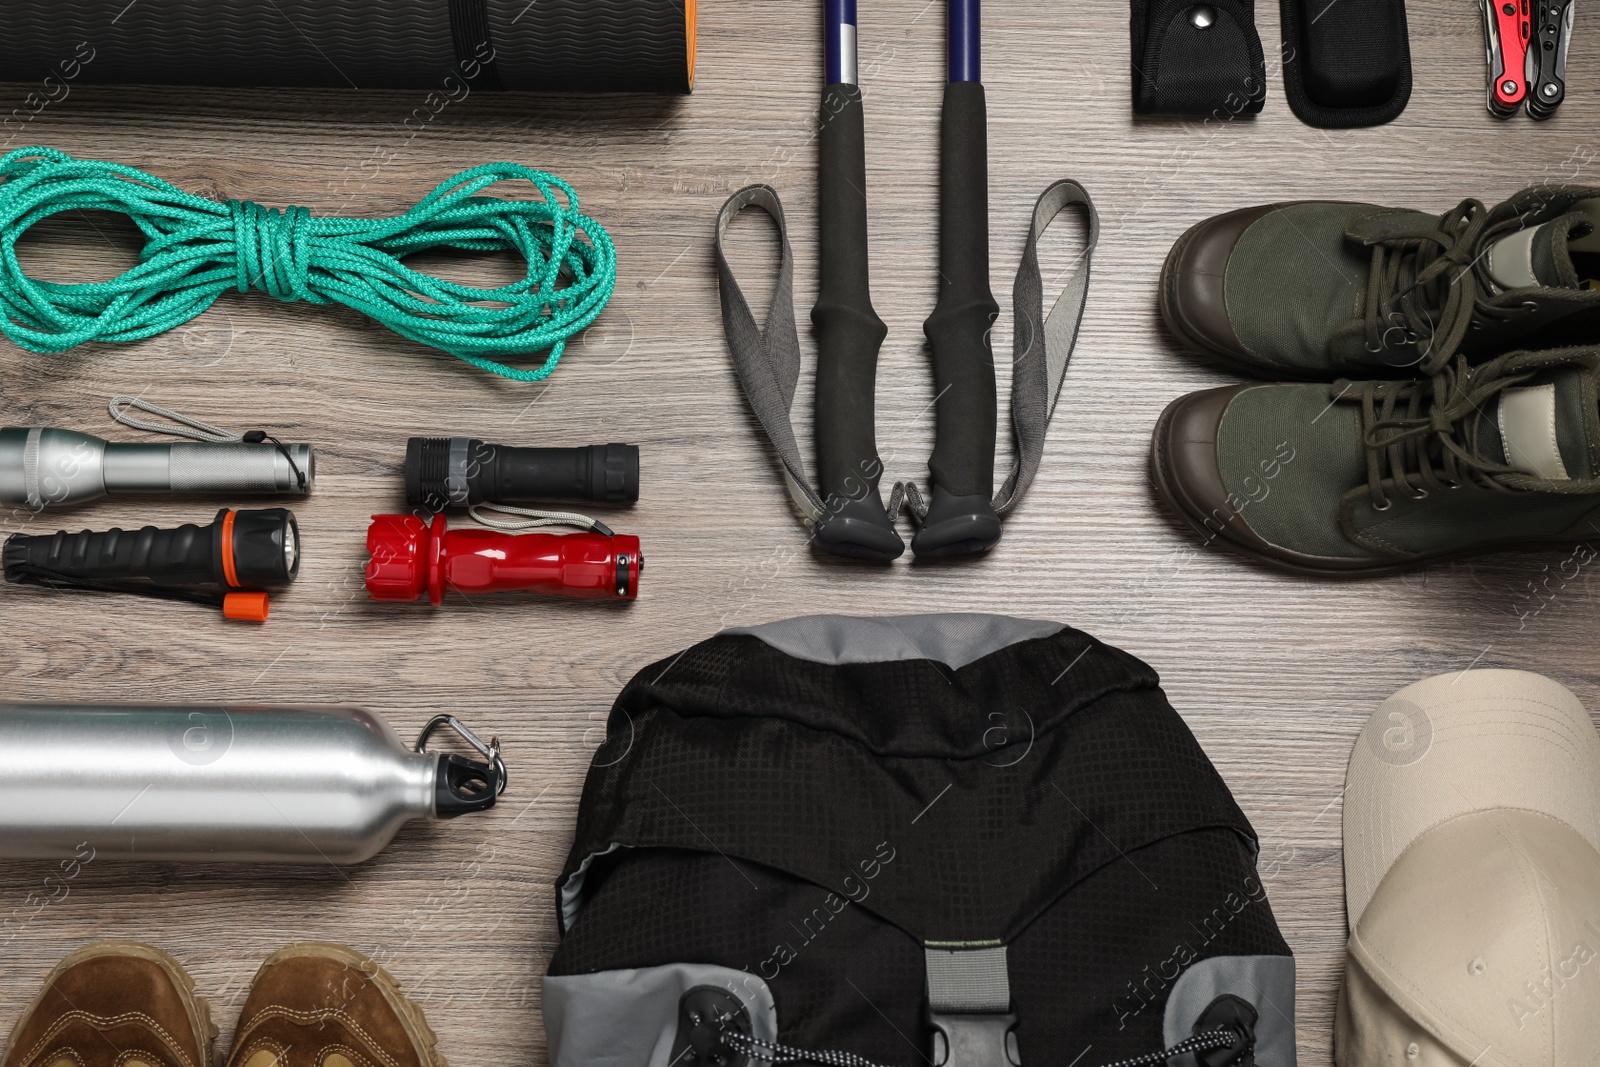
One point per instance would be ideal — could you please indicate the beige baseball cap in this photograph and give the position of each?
(1472, 878)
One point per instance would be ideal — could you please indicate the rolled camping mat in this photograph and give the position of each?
(560, 45)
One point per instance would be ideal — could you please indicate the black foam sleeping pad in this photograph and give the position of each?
(1197, 57)
(1346, 62)
(451, 46)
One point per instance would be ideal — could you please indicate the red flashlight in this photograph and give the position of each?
(408, 557)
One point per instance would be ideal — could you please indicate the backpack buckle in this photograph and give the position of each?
(977, 1040)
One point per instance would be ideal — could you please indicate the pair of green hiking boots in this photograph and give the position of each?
(1447, 381)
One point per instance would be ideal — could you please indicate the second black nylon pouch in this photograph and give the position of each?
(1346, 62)
(1197, 58)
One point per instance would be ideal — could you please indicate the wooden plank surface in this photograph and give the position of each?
(1274, 674)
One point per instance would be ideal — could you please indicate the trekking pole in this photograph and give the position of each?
(849, 332)
(961, 518)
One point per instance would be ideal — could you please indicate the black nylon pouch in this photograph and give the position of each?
(1197, 57)
(1346, 62)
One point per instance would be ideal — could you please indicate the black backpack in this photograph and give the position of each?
(962, 840)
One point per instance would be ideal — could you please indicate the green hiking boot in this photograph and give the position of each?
(1317, 289)
(1373, 477)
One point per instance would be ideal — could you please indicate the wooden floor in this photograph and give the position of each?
(1275, 675)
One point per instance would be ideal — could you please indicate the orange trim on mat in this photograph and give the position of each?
(689, 30)
(228, 572)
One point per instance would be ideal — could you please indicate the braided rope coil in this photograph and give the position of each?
(197, 248)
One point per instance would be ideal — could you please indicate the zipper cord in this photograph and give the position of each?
(770, 1052)
(1205, 1041)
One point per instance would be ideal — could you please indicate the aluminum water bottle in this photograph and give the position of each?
(258, 785)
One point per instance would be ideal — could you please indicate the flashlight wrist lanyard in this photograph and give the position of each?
(179, 425)
(533, 518)
(766, 357)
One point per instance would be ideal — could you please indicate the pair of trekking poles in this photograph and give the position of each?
(962, 512)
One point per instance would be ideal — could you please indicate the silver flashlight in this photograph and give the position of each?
(44, 467)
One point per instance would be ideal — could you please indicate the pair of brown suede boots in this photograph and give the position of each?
(123, 1004)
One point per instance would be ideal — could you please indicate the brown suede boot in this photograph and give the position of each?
(114, 1004)
(318, 1005)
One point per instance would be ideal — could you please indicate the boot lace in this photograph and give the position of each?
(1423, 435)
(1425, 286)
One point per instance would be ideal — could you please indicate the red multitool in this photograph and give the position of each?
(1507, 29)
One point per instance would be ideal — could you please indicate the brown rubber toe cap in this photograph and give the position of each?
(1186, 471)
(1193, 301)
(1187, 474)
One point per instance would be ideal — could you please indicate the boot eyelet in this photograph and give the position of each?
(1420, 494)
(1387, 504)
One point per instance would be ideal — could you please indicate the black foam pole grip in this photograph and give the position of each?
(958, 329)
(849, 332)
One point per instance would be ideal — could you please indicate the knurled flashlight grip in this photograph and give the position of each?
(42, 466)
(446, 472)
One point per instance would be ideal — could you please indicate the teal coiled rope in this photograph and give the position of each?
(197, 248)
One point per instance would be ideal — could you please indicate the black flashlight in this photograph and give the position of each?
(226, 564)
(461, 471)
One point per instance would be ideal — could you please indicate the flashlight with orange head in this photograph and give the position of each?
(229, 564)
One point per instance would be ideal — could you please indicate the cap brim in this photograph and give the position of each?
(1459, 743)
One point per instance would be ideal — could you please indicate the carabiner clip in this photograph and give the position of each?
(489, 750)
